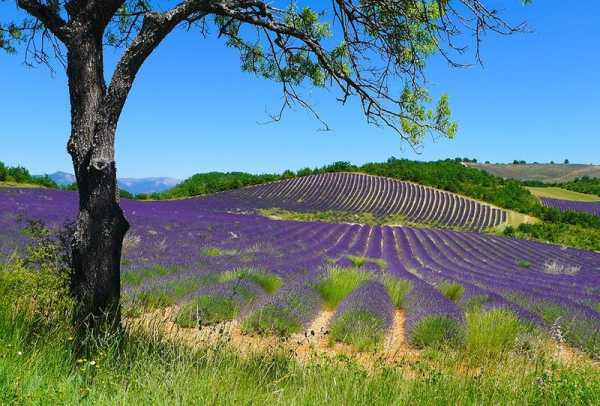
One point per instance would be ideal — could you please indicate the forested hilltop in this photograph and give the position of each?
(21, 176)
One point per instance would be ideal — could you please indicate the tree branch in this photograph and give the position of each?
(155, 28)
(49, 17)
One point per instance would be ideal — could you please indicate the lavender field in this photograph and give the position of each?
(359, 193)
(179, 251)
(567, 205)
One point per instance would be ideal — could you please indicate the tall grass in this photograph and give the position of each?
(37, 366)
(339, 283)
(452, 291)
(266, 280)
(492, 333)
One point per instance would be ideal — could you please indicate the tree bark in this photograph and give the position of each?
(101, 224)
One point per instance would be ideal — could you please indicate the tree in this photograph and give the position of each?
(371, 50)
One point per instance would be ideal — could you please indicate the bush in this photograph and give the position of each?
(437, 331)
(452, 291)
(360, 328)
(492, 333)
(206, 310)
(38, 285)
(339, 283)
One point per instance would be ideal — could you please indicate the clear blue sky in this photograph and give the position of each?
(191, 110)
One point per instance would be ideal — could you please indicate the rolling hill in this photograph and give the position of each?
(547, 173)
(360, 193)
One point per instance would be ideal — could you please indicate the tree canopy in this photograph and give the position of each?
(374, 50)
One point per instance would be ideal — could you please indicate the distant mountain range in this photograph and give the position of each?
(548, 173)
(132, 185)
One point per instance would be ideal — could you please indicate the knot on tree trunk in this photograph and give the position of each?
(101, 164)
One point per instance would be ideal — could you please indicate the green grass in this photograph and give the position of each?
(211, 252)
(272, 320)
(136, 278)
(206, 310)
(523, 264)
(19, 185)
(333, 216)
(168, 293)
(37, 366)
(436, 332)
(397, 289)
(452, 291)
(339, 283)
(270, 282)
(562, 194)
(492, 333)
(361, 329)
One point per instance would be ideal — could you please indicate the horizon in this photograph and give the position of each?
(295, 170)
(524, 114)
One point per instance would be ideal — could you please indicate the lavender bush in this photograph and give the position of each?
(364, 317)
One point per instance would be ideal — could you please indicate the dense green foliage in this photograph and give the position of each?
(361, 329)
(20, 175)
(213, 182)
(558, 233)
(584, 185)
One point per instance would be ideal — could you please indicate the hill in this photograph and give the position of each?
(547, 173)
(360, 193)
(562, 194)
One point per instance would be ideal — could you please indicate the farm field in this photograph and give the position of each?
(277, 277)
(562, 194)
(547, 173)
(361, 193)
(569, 205)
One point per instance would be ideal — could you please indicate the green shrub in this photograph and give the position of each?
(206, 310)
(452, 291)
(397, 289)
(524, 264)
(270, 282)
(437, 331)
(339, 283)
(492, 333)
(358, 261)
(272, 320)
(361, 329)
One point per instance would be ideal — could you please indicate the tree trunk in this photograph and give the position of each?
(101, 225)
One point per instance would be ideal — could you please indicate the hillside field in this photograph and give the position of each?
(562, 194)
(547, 173)
(329, 294)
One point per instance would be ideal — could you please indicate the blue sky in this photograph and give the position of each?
(537, 98)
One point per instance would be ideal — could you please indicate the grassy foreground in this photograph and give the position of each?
(501, 362)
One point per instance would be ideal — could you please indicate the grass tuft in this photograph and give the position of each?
(452, 291)
(206, 310)
(397, 289)
(272, 320)
(136, 278)
(359, 328)
(270, 282)
(339, 283)
(436, 332)
(492, 333)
